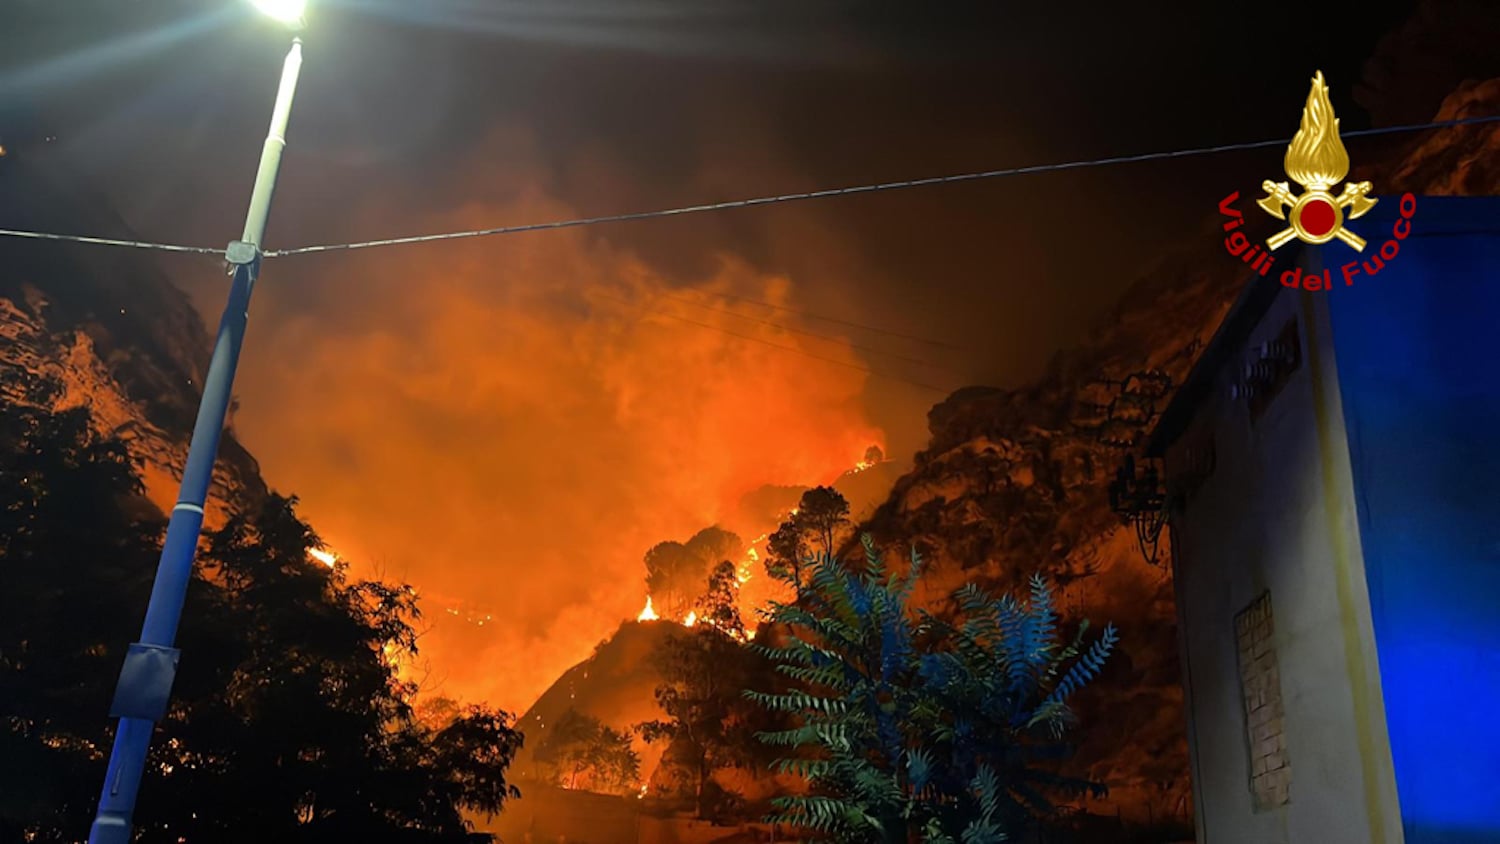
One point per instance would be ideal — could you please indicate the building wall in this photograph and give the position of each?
(1419, 369)
(1279, 756)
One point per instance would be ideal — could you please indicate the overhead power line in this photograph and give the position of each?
(758, 201)
(858, 189)
(109, 241)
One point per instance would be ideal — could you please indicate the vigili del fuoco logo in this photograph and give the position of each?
(1317, 161)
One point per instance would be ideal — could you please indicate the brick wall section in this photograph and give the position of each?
(1260, 683)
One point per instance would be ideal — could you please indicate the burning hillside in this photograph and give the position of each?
(599, 409)
(1014, 481)
(114, 332)
(590, 430)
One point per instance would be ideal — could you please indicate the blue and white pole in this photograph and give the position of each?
(151, 664)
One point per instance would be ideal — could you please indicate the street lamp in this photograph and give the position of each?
(145, 683)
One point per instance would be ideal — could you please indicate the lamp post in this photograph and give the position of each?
(145, 682)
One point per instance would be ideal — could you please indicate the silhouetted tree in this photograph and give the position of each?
(703, 673)
(305, 707)
(677, 572)
(75, 573)
(469, 758)
(720, 605)
(288, 721)
(581, 752)
(808, 533)
(673, 575)
(713, 545)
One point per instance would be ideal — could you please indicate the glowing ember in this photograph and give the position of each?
(647, 614)
(746, 569)
(327, 558)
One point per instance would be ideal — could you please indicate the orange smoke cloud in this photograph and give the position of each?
(509, 424)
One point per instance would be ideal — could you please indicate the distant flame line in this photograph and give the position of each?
(753, 202)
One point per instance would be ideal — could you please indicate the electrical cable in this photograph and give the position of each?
(109, 241)
(857, 189)
(756, 201)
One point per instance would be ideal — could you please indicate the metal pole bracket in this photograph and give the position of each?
(239, 253)
(145, 682)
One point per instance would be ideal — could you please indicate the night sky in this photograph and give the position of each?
(620, 105)
(505, 418)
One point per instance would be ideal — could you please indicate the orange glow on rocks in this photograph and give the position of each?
(510, 424)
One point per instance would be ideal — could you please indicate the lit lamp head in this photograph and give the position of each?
(288, 12)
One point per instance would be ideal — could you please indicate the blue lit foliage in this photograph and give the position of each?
(907, 723)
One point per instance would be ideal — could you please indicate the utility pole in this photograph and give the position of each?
(145, 683)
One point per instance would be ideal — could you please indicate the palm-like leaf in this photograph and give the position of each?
(905, 718)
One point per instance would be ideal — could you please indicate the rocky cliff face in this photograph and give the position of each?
(1444, 44)
(1015, 481)
(103, 328)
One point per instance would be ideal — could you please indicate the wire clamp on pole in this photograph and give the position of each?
(242, 254)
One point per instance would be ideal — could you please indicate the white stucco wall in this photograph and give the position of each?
(1277, 514)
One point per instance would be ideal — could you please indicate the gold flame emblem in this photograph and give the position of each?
(1316, 160)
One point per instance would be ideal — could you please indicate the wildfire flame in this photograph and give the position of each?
(746, 568)
(745, 571)
(648, 614)
(1316, 158)
(327, 558)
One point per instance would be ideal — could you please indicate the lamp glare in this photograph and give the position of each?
(286, 11)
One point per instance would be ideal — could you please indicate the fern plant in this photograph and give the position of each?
(907, 725)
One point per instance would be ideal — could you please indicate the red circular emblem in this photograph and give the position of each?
(1318, 217)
